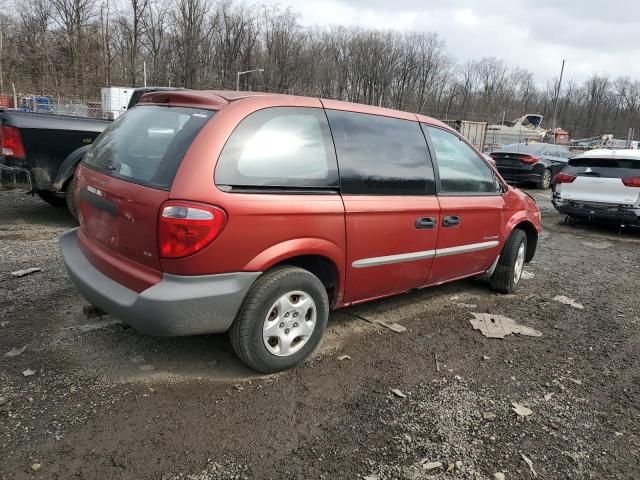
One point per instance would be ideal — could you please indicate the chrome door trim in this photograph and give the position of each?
(472, 247)
(388, 259)
(413, 256)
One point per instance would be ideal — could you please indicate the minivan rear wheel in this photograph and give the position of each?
(281, 320)
(509, 270)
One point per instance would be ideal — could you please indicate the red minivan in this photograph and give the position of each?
(203, 212)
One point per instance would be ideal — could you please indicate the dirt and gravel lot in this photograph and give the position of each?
(106, 402)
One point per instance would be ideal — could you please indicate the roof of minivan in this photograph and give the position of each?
(218, 98)
(232, 95)
(607, 153)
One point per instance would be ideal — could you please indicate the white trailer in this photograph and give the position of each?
(474, 132)
(115, 100)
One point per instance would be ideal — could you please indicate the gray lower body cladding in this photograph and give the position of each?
(177, 305)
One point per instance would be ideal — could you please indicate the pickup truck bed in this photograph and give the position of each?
(48, 140)
(53, 147)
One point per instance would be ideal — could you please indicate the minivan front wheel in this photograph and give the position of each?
(281, 320)
(508, 272)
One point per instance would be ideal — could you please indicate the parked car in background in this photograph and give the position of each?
(40, 151)
(202, 212)
(531, 162)
(600, 185)
(489, 159)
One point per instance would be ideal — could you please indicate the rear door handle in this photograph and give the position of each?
(451, 221)
(425, 223)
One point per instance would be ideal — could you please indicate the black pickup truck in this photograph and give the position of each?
(39, 152)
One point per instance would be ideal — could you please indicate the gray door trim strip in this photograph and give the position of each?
(402, 257)
(410, 257)
(472, 247)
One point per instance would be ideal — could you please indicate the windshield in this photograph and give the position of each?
(146, 145)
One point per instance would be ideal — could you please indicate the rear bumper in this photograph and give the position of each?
(514, 175)
(14, 177)
(612, 213)
(177, 305)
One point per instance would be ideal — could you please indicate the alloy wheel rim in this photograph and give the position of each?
(517, 273)
(289, 323)
(547, 179)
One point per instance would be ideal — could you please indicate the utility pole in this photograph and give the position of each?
(243, 73)
(15, 97)
(555, 102)
(144, 70)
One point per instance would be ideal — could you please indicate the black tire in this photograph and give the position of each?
(70, 199)
(503, 279)
(545, 181)
(51, 198)
(246, 332)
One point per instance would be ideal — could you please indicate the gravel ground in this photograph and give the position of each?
(108, 402)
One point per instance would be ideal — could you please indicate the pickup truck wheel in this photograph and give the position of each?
(70, 198)
(508, 272)
(281, 320)
(545, 181)
(51, 198)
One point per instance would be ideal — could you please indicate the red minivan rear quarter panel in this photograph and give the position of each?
(262, 229)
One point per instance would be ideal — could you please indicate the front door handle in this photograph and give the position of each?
(425, 223)
(451, 221)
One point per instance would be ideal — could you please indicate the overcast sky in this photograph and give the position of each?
(600, 36)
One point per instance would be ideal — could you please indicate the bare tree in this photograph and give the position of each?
(155, 25)
(73, 17)
(75, 47)
(106, 40)
(235, 38)
(190, 31)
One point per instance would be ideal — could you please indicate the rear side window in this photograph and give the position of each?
(147, 144)
(280, 147)
(604, 167)
(381, 155)
(560, 152)
(460, 168)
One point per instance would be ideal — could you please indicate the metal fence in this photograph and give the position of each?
(474, 123)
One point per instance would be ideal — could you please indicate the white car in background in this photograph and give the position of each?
(600, 185)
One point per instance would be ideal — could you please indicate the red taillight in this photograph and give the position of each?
(529, 159)
(631, 181)
(564, 178)
(12, 145)
(186, 228)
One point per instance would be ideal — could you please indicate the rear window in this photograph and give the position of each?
(147, 144)
(604, 167)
